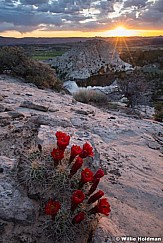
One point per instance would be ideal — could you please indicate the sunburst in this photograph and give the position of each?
(120, 31)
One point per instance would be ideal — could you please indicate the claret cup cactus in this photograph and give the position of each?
(70, 201)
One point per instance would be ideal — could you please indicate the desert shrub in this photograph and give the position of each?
(133, 87)
(11, 57)
(113, 106)
(158, 111)
(87, 96)
(14, 61)
(42, 75)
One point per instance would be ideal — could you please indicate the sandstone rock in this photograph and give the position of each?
(14, 205)
(80, 122)
(7, 164)
(74, 102)
(71, 86)
(1, 170)
(153, 145)
(29, 94)
(100, 237)
(17, 93)
(4, 115)
(88, 58)
(32, 85)
(51, 109)
(1, 98)
(112, 117)
(124, 100)
(15, 114)
(9, 108)
(106, 231)
(4, 122)
(30, 105)
(46, 135)
(82, 112)
(161, 150)
(51, 121)
(2, 227)
(2, 108)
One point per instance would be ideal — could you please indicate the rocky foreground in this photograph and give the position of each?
(130, 150)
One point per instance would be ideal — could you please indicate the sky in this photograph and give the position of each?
(82, 18)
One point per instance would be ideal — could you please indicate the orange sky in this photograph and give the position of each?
(107, 33)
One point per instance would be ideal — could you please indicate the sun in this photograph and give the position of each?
(120, 31)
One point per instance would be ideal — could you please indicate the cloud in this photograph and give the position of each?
(84, 15)
(25, 17)
(135, 3)
(158, 6)
(33, 2)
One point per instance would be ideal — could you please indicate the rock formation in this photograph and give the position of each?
(91, 57)
(128, 149)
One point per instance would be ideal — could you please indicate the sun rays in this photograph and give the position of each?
(120, 31)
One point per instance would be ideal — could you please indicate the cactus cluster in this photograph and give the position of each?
(65, 188)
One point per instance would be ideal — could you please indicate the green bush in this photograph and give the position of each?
(88, 96)
(14, 61)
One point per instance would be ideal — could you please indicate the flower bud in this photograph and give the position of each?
(95, 196)
(78, 218)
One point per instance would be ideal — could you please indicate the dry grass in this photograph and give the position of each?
(88, 96)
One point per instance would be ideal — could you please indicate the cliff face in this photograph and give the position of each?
(128, 149)
(89, 58)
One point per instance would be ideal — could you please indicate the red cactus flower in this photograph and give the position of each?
(60, 135)
(77, 198)
(75, 150)
(78, 218)
(94, 186)
(100, 173)
(78, 163)
(57, 154)
(62, 140)
(87, 151)
(52, 207)
(86, 176)
(102, 207)
(95, 196)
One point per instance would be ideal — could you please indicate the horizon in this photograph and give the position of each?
(119, 31)
(84, 37)
(71, 18)
(157, 34)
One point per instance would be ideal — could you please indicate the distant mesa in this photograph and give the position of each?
(88, 58)
(39, 41)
